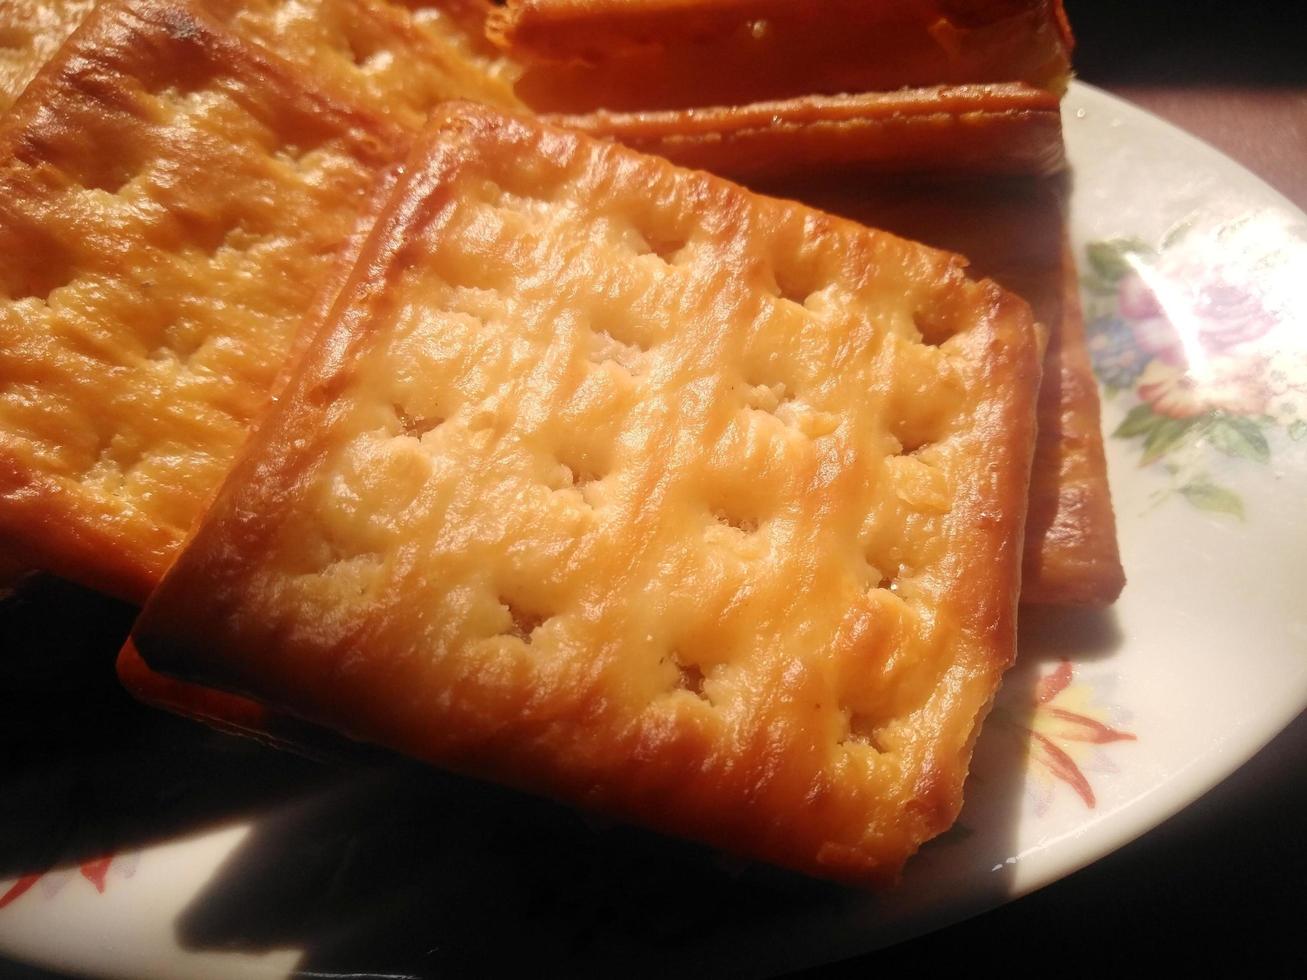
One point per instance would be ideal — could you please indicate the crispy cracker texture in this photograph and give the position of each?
(401, 59)
(171, 200)
(621, 483)
(1013, 231)
(30, 33)
(584, 54)
(1076, 560)
(967, 129)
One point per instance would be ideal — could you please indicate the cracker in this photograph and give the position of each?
(619, 482)
(172, 198)
(1013, 231)
(1073, 558)
(399, 59)
(666, 54)
(970, 129)
(30, 33)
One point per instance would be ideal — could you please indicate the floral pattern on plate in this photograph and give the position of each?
(1060, 727)
(94, 870)
(1195, 341)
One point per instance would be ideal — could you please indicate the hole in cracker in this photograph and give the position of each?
(521, 621)
(36, 270)
(887, 574)
(579, 476)
(934, 328)
(910, 443)
(207, 232)
(771, 398)
(727, 518)
(361, 48)
(578, 469)
(666, 247)
(913, 434)
(110, 175)
(299, 133)
(192, 67)
(866, 730)
(414, 425)
(794, 284)
(624, 351)
(690, 677)
(656, 235)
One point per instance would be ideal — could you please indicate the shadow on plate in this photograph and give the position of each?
(397, 870)
(86, 771)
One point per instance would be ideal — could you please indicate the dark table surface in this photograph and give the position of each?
(1222, 887)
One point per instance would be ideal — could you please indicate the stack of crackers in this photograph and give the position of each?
(390, 353)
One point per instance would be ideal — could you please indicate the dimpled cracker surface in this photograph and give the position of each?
(171, 199)
(619, 482)
(30, 33)
(401, 59)
(1014, 232)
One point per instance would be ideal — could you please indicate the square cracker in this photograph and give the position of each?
(619, 482)
(172, 199)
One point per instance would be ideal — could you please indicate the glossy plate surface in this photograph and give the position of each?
(1195, 283)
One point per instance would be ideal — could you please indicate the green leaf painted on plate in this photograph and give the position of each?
(1298, 430)
(1100, 289)
(1109, 259)
(1139, 421)
(1237, 436)
(1206, 495)
(1164, 437)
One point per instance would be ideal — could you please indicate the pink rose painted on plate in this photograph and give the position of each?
(1211, 355)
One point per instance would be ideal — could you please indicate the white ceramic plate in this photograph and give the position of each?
(1192, 272)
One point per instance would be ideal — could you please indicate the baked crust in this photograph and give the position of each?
(582, 55)
(1074, 559)
(172, 197)
(972, 129)
(30, 33)
(568, 495)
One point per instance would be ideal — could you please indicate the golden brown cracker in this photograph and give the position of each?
(172, 197)
(583, 55)
(619, 482)
(974, 129)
